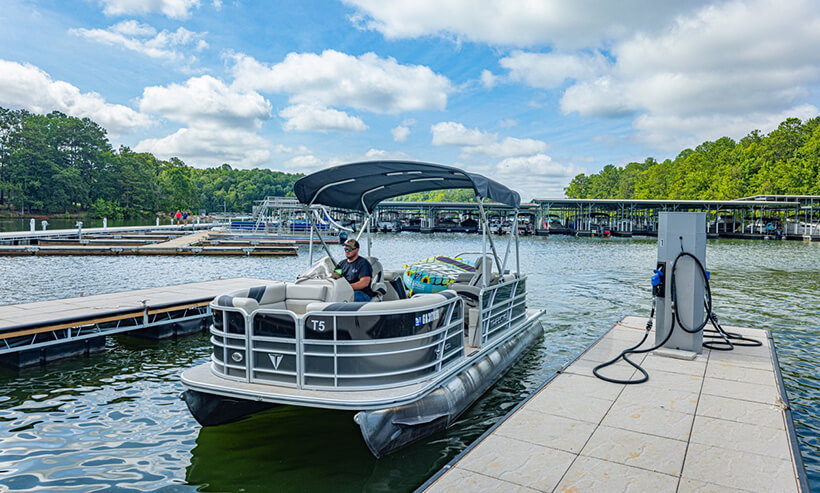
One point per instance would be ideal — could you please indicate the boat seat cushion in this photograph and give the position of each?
(249, 299)
(307, 291)
(466, 290)
(299, 296)
(417, 301)
(377, 284)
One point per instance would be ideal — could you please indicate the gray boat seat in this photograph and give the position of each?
(470, 288)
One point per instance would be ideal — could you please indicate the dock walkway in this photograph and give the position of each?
(720, 422)
(45, 331)
(54, 312)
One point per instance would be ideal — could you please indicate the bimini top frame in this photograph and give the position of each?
(362, 186)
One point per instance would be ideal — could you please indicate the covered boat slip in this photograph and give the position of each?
(719, 422)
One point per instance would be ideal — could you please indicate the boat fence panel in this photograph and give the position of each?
(229, 342)
(332, 350)
(381, 349)
(502, 306)
(259, 348)
(274, 348)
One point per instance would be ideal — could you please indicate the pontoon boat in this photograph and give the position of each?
(409, 365)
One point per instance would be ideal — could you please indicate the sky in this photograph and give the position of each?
(528, 92)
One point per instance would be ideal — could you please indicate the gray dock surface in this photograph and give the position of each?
(46, 313)
(717, 423)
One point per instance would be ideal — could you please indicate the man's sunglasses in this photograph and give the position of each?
(351, 249)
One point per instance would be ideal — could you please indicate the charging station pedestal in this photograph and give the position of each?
(676, 230)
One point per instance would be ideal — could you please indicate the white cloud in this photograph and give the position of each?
(306, 163)
(474, 141)
(144, 39)
(400, 133)
(550, 70)
(456, 134)
(508, 123)
(508, 147)
(367, 82)
(316, 118)
(28, 87)
(602, 97)
(300, 150)
(488, 79)
(221, 122)
(175, 9)
(557, 23)
(210, 146)
(678, 132)
(207, 102)
(537, 176)
(723, 69)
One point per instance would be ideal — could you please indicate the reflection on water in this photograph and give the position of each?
(115, 421)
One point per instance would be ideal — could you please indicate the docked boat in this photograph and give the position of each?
(409, 365)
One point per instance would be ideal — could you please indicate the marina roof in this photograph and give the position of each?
(361, 186)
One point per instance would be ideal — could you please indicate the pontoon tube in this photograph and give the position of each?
(387, 430)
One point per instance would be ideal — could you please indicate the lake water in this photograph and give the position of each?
(115, 421)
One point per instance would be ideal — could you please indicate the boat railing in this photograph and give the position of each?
(501, 306)
(337, 350)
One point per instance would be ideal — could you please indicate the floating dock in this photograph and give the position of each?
(41, 332)
(720, 422)
(198, 243)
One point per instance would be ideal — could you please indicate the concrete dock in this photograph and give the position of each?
(720, 422)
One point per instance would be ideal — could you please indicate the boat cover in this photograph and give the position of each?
(361, 186)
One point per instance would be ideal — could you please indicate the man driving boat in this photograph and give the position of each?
(357, 270)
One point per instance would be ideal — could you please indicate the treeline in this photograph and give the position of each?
(60, 164)
(446, 195)
(784, 162)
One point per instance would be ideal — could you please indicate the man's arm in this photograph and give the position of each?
(361, 283)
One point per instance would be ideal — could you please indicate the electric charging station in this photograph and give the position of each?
(681, 299)
(680, 232)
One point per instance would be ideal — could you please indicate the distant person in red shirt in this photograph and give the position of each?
(178, 217)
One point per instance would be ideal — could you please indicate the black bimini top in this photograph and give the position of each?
(361, 186)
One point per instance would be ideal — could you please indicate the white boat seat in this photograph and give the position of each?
(288, 296)
(417, 301)
(249, 299)
(377, 284)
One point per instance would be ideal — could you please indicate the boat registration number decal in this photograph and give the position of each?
(428, 317)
